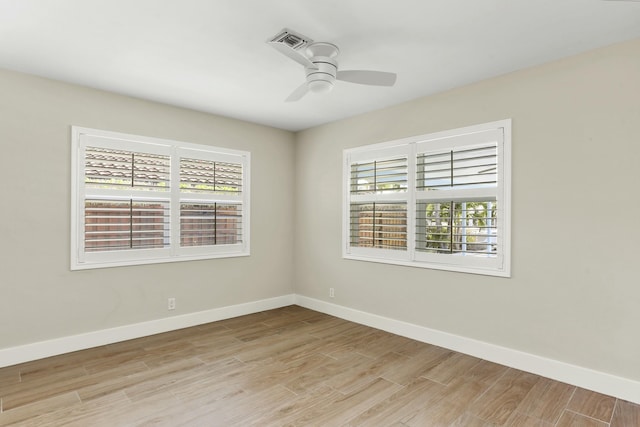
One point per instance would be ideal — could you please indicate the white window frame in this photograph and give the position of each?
(500, 265)
(82, 137)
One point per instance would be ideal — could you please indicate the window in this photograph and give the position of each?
(435, 201)
(139, 200)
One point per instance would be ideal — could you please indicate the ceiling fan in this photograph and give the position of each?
(321, 68)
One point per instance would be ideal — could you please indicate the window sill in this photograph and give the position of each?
(433, 266)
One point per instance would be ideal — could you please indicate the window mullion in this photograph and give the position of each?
(412, 180)
(174, 207)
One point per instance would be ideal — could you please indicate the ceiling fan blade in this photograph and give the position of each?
(298, 93)
(367, 77)
(294, 54)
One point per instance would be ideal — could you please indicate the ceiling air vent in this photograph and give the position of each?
(291, 39)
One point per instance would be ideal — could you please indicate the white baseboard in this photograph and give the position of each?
(600, 382)
(39, 350)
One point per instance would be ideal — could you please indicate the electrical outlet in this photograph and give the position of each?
(171, 304)
(332, 293)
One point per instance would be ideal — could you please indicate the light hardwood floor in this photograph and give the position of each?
(291, 366)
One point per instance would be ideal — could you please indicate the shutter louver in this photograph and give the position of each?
(379, 225)
(474, 167)
(457, 227)
(205, 176)
(117, 169)
(456, 201)
(379, 176)
(112, 225)
(204, 224)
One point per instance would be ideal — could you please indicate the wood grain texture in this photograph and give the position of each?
(626, 414)
(291, 367)
(592, 404)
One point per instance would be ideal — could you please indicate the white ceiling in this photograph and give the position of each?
(211, 55)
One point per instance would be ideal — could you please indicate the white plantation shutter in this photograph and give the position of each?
(378, 200)
(118, 211)
(212, 202)
(437, 201)
(459, 200)
(143, 200)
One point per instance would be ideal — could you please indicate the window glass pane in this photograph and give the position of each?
(457, 227)
(112, 225)
(379, 225)
(379, 177)
(205, 176)
(114, 169)
(205, 224)
(471, 167)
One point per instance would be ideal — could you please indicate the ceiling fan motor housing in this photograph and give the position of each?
(322, 77)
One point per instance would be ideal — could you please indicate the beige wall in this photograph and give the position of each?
(574, 294)
(40, 298)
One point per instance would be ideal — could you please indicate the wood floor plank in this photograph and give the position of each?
(518, 419)
(257, 406)
(626, 414)
(464, 390)
(8, 378)
(442, 413)
(241, 408)
(278, 346)
(290, 367)
(592, 404)
(451, 368)
(486, 372)
(136, 414)
(281, 372)
(329, 328)
(340, 410)
(498, 403)
(381, 345)
(469, 420)
(412, 348)
(296, 407)
(82, 414)
(409, 399)
(572, 419)
(546, 400)
(24, 413)
(58, 383)
(352, 343)
(363, 371)
(321, 374)
(110, 384)
(417, 365)
(227, 375)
